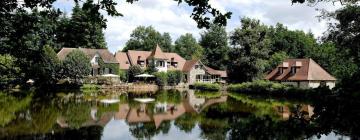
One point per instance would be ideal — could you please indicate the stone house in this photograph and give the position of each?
(302, 73)
(102, 60)
(194, 70)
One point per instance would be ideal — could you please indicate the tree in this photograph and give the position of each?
(76, 65)
(84, 29)
(215, 43)
(276, 59)
(187, 47)
(9, 71)
(250, 51)
(296, 44)
(133, 71)
(146, 38)
(48, 69)
(174, 77)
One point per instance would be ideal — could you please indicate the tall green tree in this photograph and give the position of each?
(215, 43)
(187, 47)
(296, 44)
(47, 71)
(146, 38)
(9, 71)
(76, 66)
(250, 51)
(84, 29)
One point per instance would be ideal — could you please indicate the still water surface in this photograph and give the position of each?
(171, 114)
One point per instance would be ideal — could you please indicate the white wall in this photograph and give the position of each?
(93, 59)
(310, 84)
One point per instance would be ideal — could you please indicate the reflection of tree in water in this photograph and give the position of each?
(186, 122)
(75, 113)
(10, 105)
(148, 130)
(338, 113)
(168, 96)
(40, 119)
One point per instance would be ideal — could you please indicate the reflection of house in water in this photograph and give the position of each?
(165, 111)
(143, 114)
(285, 112)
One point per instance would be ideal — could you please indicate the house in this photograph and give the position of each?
(303, 73)
(194, 70)
(95, 56)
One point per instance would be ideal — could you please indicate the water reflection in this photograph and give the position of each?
(172, 115)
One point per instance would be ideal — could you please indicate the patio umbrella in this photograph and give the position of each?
(110, 75)
(144, 75)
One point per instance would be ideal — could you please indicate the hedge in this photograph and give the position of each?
(206, 86)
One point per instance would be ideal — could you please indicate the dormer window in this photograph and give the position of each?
(281, 70)
(172, 59)
(97, 59)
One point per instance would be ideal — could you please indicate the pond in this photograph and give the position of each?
(165, 114)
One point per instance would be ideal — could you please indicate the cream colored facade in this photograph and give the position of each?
(309, 84)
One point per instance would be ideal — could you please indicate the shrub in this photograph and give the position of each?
(90, 86)
(174, 77)
(206, 86)
(161, 78)
(133, 71)
(123, 75)
(259, 86)
(76, 65)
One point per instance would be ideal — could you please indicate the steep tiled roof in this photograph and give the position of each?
(157, 53)
(307, 70)
(123, 60)
(105, 54)
(189, 64)
(176, 58)
(134, 56)
(215, 72)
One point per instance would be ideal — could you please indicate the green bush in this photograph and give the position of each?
(123, 75)
(206, 86)
(262, 87)
(259, 86)
(174, 77)
(90, 86)
(133, 71)
(161, 78)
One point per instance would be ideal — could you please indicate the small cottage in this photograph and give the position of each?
(302, 73)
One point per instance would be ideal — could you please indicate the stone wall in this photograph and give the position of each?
(193, 72)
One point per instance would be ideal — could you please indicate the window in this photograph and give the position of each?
(97, 59)
(127, 62)
(198, 77)
(322, 83)
(281, 70)
(293, 70)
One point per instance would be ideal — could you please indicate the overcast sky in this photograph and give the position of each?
(167, 16)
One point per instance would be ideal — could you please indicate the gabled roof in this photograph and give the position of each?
(191, 63)
(105, 54)
(308, 70)
(123, 60)
(175, 58)
(157, 53)
(134, 56)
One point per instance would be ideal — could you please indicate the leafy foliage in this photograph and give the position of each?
(250, 51)
(133, 71)
(187, 47)
(146, 38)
(161, 78)
(215, 43)
(174, 77)
(9, 71)
(48, 69)
(76, 65)
(206, 86)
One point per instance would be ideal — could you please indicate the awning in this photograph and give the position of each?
(144, 75)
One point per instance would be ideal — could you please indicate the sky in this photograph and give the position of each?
(168, 16)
